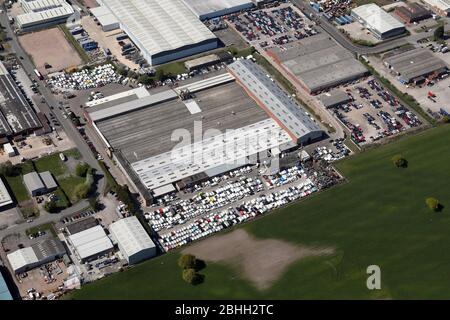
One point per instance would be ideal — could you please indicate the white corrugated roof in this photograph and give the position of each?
(91, 242)
(43, 10)
(443, 5)
(5, 198)
(160, 25)
(22, 258)
(377, 19)
(131, 236)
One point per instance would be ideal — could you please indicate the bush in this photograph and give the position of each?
(82, 191)
(446, 119)
(187, 261)
(192, 277)
(51, 207)
(433, 204)
(399, 161)
(438, 33)
(82, 169)
(7, 169)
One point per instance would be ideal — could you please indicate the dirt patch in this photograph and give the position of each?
(260, 261)
(50, 46)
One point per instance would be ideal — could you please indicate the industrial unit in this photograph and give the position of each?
(90, 244)
(413, 12)
(334, 98)
(208, 9)
(132, 239)
(318, 63)
(17, 117)
(441, 7)
(41, 14)
(38, 254)
(5, 197)
(39, 183)
(379, 22)
(106, 19)
(244, 116)
(5, 294)
(413, 66)
(163, 30)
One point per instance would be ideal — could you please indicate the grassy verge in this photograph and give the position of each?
(69, 184)
(43, 227)
(74, 43)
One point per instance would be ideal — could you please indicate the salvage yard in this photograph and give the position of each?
(49, 47)
(381, 218)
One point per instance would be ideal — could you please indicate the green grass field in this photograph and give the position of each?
(68, 185)
(51, 163)
(378, 217)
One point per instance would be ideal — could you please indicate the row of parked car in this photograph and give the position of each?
(217, 221)
(182, 211)
(77, 216)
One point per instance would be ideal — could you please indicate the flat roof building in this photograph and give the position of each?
(441, 7)
(414, 64)
(318, 63)
(334, 98)
(43, 14)
(105, 17)
(20, 117)
(5, 197)
(163, 30)
(81, 225)
(38, 254)
(91, 243)
(208, 9)
(413, 12)
(378, 21)
(132, 239)
(5, 294)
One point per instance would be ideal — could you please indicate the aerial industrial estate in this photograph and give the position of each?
(133, 132)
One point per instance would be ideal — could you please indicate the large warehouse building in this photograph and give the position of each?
(17, 116)
(208, 9)
(441, 7)
(132, 239)
(163, 30)
(40, 14)
(413, 66)
(378, 21)
(318, 63)
(243, 115)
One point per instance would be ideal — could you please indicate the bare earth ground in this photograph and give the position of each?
(260, 261)
(52, 47)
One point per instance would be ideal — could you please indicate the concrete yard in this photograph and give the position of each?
(147, 132)
(50, 46)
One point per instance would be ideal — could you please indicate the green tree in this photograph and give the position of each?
(7, 169)
(433, 204)
(399, 161)
(94, 203)
(446, 119)
(82, 169)
(187, 261)
(193, 277)
(82, 191)
(160, 75)
(51, 207)
(438, 33)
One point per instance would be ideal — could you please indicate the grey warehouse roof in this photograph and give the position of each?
(5, 198)
(160, 25)
(33, 181)
(131, 236)
(293, 117)
(415, 63)
(377, 19)
(15, 108)
(333, 98)
(37, 11)
(214, 8)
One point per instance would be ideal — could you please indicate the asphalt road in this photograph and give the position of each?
(347, 43)
(66, 124)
